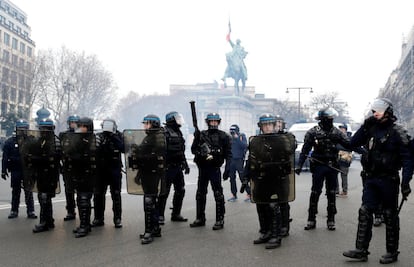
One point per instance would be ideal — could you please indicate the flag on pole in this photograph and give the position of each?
(228, 34)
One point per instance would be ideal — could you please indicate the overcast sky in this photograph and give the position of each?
(346, 46)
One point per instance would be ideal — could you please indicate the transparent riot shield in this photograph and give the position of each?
(79, 158)
(40, 160)
(145, 160)
(271, 168)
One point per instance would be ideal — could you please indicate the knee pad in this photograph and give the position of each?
(218, 196)
(365, 214)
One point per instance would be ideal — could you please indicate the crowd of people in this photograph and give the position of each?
(90, 162)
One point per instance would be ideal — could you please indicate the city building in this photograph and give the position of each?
(16, 61)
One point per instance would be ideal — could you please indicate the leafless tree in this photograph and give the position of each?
(330, 99)
(68, 82)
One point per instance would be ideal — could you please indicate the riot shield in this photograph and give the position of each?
(40, 161)
(145, 160)
(271, 168)
(79, 159)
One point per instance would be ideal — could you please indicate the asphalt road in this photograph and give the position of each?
(181, 245)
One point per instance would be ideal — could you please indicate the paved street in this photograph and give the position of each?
(181, 245)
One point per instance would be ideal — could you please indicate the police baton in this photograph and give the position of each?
(324, 163)
(401, 204)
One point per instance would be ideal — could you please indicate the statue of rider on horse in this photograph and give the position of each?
(236, 69)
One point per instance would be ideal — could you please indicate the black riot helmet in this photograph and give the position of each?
(46, 124)
(22, 124)
(326, 117)
(212, 117)
(152, 119)
(174, 118)
(86, 122)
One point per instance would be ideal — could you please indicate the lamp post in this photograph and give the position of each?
(68, 86)
(299, 89)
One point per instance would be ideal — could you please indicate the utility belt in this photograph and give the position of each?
(367, 175)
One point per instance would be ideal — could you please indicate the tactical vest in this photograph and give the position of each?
(324, 148)
(211, 146)
(382, 158)
(175, 146)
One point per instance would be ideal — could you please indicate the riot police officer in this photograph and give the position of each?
(11, 162)
(80, 166)
(323, 138)
(150, 172)
(69, 190)
(176, 163)
(238, 152)
(47, 167)
(269, 167)
(110, 145)
(388, 151)
(211, 148)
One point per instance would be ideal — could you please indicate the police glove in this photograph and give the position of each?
(298, 170)
(243, 187)
(186, 168)
(405, 190)
(369, 122)
(226, 175)
(4, 175)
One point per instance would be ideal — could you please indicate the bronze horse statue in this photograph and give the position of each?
(236, 69)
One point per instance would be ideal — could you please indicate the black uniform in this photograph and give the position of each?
(388, 151)
(11, 162)
(210, 147)
(109, 148)
(176, 163)
(323, 138)
(69, 191)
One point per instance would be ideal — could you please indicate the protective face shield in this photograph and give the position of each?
(280, 124)
(381, 105)
(109, 126)
(174, 117)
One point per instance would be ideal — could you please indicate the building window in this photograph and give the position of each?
(27, 98)
(6, 56)
(14, 60)
(3, 108)
(13, 78)
(6, 39)
(29, 51)
(21, 96)
(22, 48)
(5, 92)
(21, 81)
(14, 43)
(5, 76)
(21, 63)
(13, 94)
(29, 67)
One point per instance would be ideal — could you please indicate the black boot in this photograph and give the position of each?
(15, 202)
(151, 222)
(220, 210)
(99, 209)
(200, 207)
(43, 225)
(177, 205)
(331, 209)
(357, 254)
(70, 206)
(392, 236)
(364, 234)
(117, 208)
(28, 197)
(264, 223)
(312, 211)
(13, 214)
(84, 207)
(275, 241)
(263, 238)
(389, 257)
(285, 224)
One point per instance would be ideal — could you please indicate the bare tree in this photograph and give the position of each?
(67, 82)
(330, 99)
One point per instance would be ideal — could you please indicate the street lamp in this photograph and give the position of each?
(68, 86)
(299, 89)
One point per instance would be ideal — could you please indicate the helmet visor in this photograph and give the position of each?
(379, 105)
